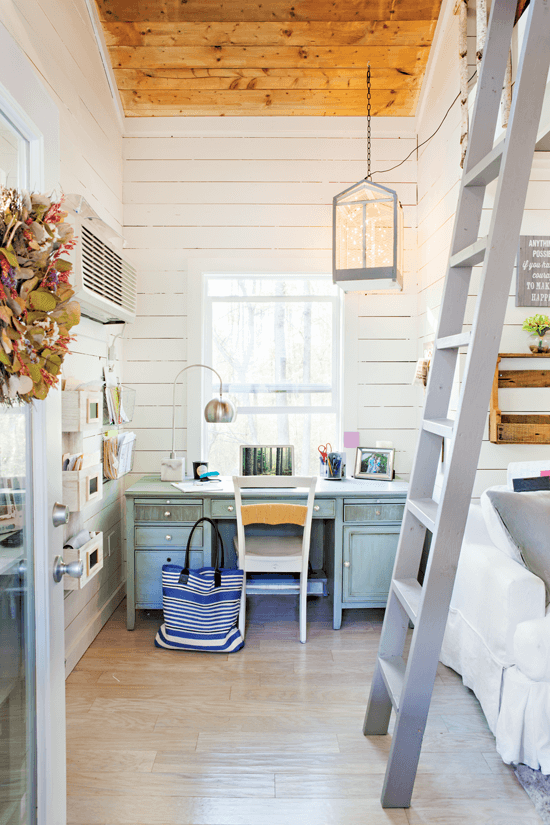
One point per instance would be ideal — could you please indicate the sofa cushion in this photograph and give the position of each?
(526, 519)
(498, 533)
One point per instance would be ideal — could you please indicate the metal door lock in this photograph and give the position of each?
(73, 568)
(60, 514)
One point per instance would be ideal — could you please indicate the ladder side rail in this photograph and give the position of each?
(380, 704)
(474, 398)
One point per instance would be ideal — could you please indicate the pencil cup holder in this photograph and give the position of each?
(323, 468)
(336, 466)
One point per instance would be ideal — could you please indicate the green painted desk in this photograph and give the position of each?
(356, 526)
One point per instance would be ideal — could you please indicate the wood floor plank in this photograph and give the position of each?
(227, 784)
(268, 743)
(201, 683)
(82, 758)
(268, 736)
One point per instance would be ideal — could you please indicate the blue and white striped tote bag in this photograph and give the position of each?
(201, 607)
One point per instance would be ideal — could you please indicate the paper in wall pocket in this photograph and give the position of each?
(172, 469)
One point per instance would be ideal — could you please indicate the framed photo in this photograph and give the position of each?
(267, 460)
(374, 462)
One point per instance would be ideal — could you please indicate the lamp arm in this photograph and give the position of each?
(206, 367)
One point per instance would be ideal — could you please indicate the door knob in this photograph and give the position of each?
(347, 564)
(60, 569)
(60, 514)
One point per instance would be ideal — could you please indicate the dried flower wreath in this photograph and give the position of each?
(36, 311)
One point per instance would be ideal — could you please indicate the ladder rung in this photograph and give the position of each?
(409, 592)
(425, 510)
(393, 673)
(439, 426)
(470, 255)
(487, 169)
(454, 341)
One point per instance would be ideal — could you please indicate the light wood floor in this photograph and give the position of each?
(270, 735)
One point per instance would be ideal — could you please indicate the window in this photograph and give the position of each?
(275, 342)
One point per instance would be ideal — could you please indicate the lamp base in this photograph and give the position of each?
(172, 469)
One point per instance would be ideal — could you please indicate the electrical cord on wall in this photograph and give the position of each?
(416, 148)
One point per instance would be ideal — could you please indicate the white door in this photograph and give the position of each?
(32, 690)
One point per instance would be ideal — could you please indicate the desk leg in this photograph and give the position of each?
(130, 566)
(338, 561)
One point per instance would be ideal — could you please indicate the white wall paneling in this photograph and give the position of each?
(88, 609)
(58, 40)
(255, 195)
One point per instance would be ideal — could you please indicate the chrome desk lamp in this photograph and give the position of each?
(217, 411)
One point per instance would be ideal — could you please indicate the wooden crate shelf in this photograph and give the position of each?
(507, 428)
(91, 555)
(81, 410)
(82, 487)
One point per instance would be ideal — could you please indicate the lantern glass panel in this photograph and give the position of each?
(367, 236)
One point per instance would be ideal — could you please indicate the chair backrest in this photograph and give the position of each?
(275, 512)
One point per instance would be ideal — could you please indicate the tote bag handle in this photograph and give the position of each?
(220, 557)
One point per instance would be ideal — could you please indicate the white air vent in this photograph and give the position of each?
(104, 281)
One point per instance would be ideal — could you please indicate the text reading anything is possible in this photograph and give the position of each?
(533, 286)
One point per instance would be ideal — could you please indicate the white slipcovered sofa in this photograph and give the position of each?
(498, 635)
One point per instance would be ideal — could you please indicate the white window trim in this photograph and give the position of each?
(199, 381)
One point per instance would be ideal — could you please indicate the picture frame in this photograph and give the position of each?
(374, 463)
(266, 460)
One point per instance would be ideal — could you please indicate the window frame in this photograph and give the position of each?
(199, 332)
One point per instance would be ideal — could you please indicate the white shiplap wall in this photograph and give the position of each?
(58, 40)
(260, 189)
(87, 610)
(438, 183)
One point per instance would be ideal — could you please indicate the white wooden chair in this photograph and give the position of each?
(288, 554)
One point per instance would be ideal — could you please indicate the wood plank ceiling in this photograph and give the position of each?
(243, 58)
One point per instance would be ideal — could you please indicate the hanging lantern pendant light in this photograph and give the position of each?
(367, 231)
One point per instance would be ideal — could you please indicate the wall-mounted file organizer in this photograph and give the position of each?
(81, 410)
(91, 556)
(119, 404)
(82, 487)
(118, 454)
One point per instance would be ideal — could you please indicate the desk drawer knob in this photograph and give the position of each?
(230, 508)
(316, 507)
(168, 538)
(167, 513)
(377, 512)
(347, 564)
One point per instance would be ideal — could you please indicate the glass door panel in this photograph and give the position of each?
(17, 604)
(17, 653)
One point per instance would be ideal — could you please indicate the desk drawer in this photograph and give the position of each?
(167, 536)
(149, 571)
(225, 508)
(168, 512)
(373, 512)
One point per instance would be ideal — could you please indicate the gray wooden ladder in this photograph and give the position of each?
(407, 684)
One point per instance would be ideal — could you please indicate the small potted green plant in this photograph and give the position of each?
(539, 326)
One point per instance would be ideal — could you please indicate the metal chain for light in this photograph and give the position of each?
(369, 176)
